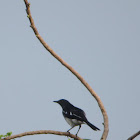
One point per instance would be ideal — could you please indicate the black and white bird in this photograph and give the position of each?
(73, 115)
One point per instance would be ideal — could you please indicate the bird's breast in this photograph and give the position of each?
(73, 122)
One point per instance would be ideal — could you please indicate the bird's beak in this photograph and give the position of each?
(55, 101)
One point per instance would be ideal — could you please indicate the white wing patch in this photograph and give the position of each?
(65, 112)
(71, 113)
(77, 116)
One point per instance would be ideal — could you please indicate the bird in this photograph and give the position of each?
(74, 116)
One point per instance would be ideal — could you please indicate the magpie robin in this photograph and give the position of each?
(73, 115)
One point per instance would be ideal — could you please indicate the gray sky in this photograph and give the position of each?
(100, 39)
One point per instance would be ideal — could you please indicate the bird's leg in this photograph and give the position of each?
(70, 129)
(78, 129)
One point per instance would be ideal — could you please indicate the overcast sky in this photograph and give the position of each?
(99, 39)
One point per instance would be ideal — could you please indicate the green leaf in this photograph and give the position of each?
(9, 133)
(1, 136)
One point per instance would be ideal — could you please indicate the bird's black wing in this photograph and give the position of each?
(75, 113)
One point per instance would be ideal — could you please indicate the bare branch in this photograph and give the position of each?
(93, 93)
(133, 136)
(42, 132)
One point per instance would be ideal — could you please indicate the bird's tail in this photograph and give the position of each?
(92, 126)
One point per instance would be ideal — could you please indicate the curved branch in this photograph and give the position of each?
(133, 136)
(42, 132)
(93, 93)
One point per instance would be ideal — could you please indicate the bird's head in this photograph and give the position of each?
(63, 102)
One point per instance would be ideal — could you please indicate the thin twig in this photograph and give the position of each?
(133, 136)
(93, 93)
(42, 132)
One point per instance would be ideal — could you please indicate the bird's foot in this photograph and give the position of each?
(76, 134)
(68, 132)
